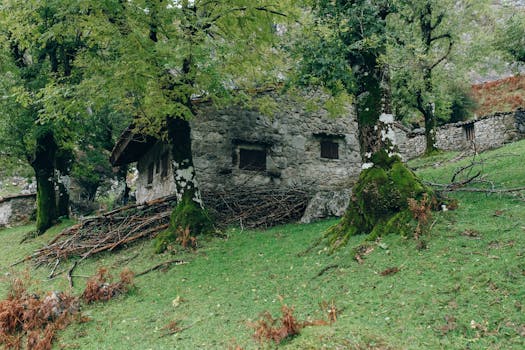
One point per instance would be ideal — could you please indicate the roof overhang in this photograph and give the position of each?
(130, 147)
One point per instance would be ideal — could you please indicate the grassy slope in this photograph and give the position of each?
(229, 282)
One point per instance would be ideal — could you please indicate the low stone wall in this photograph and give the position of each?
(488, 132)
(17, 210)
(411, 143)
(484, 133)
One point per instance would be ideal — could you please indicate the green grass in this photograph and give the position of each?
(229, 282)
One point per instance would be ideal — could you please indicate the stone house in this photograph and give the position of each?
(236, 148)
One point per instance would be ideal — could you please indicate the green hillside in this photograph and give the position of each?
(466, 290)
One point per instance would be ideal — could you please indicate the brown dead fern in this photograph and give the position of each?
(287, 326)
(34, 318)
(99, 287)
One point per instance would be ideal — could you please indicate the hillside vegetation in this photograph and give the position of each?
(504, 95)
(466, 290)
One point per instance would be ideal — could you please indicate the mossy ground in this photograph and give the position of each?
(465, 291)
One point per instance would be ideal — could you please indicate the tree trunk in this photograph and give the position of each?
(43, 165)
(64, 158)
(179, 134)
(429, 114)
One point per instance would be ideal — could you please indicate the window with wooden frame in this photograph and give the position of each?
(329, 149)
(164, 165)
(252, 157)
(469, 132)
(151, 167)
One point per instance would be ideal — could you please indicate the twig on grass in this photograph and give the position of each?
(165, 265)
(326, 269)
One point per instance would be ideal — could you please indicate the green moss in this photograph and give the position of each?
(379, 204)
(187, 214)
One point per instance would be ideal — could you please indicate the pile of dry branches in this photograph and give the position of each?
(262, 207)
(117, 228)
(106, 232)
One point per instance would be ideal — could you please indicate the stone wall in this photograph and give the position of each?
(487, 132)
(290, 141)
(411, 143)
(162, 183)
(17, 210)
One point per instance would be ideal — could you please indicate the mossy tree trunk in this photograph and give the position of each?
(43, 164)
(380, 202)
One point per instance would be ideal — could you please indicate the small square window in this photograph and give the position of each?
(252, 159)
(329, 149)
(469, 132)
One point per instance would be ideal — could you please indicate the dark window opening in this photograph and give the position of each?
(150, 173)
(329, 150)
(252, 159)
(469, 132)
(165, 165)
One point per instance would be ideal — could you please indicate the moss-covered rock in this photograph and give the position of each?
(187, 214)
(379, 203)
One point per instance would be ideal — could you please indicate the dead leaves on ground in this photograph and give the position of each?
(287, 326)
(471, 233)
(98, 287)
(33, 318)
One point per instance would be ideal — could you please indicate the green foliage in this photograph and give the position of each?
(339, 50)
(510, 36)
(379, 203)
(431, 52)
(152, 63)
(187, 215)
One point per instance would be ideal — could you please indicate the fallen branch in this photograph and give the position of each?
(488, 190)
(69, 274)
(163, 265)
(326, 269)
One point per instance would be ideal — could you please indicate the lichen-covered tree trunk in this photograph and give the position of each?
(179, 134)
(43, 164)
(369, 106)
(189, 217)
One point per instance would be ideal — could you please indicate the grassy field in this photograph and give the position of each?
(465, 291)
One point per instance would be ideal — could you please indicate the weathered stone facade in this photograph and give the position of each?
(484, 133)
(16, 210)
(294, 148)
